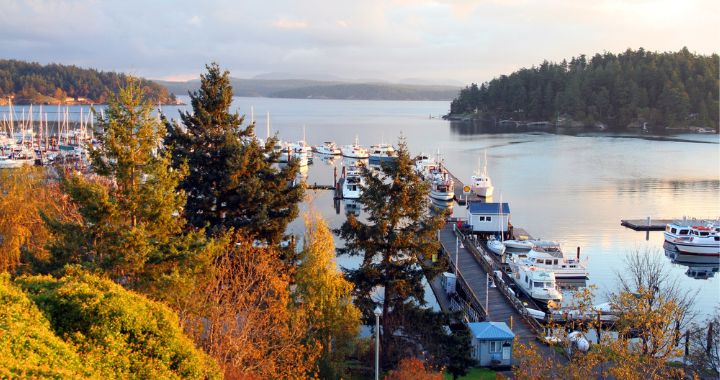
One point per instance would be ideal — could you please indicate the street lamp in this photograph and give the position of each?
(378, 312)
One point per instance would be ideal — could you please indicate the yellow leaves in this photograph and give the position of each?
(24, 193)
(413, 369)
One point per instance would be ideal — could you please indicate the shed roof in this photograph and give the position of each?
(478, 207)
(491, 331)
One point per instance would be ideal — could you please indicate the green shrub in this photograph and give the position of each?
(112, 331)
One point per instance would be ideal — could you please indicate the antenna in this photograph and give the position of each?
(252, 115)
(267, 126)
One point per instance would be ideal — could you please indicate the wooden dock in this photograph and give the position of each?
(459, 197)
(645, 224)
(473, 274)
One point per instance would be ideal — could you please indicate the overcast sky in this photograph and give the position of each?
(458, 40)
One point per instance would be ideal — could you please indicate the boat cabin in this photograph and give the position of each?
(488, 217)
(492, 343)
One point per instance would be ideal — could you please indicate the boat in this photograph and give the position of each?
(553, 260)
(537, 283)
(442, 187)
(354, 150)
(352, 183)
(382, 153)
(481, 183)
(519, 244)
(496, 246)
(425, 165)
(327, 148)
(703, 241)
(10, 162)
(301, 147)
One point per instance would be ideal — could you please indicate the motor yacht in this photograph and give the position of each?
(328, 148)
(354, 150)
(352, 183)
(496, 246)
(382, 153)
(563, 267)
(537, 283)
(703, 241)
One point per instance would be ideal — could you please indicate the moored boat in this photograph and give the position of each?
(537, 283)
(481, 183)
(382, 153)
(354, 150)
(352, 183)
(442, 187)
(328, 148)
(703, 241)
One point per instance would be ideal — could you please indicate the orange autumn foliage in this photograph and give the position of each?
(413, 369)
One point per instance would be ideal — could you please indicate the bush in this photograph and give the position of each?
(115, 333)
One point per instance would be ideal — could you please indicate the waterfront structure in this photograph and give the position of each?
(488, 217)
(492, 343)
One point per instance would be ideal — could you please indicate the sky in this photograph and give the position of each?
(453, 41)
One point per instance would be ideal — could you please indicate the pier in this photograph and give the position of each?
(493, 303)
(460, 198)
(645, 224)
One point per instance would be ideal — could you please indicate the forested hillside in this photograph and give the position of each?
(663, 89)
(31, 82)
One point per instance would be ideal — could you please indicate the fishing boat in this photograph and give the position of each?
(352, 183)
(328, 148)
(537, 283)
(354, 150)
(481, 183)
(382, 153)
(425, 165)
(442, 187)
(703, 241)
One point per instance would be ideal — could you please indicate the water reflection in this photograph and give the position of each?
(351, 206)
(698, 267)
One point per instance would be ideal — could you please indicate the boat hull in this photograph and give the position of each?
(707, 250)
(517, 244)
(483, 191)
(442, 196)
(380, 159)
(496, 247)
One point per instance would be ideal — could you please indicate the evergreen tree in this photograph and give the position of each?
(232, 182)
(130, 222)
(394, 244)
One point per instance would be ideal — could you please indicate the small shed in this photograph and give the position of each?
(492, 343)
(488, 217)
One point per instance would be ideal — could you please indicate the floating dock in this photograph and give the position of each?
(460, 198)
(646, 224)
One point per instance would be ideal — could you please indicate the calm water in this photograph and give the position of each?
(569, 188)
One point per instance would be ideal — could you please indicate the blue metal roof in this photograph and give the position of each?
(491, 331)
(477, 207)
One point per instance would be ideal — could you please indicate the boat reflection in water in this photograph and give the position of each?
(352, 206)
(699, 267)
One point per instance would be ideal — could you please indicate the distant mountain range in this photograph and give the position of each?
(323, 89)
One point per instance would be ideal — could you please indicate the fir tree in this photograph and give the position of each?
(130, 223)
(394, 244)
(232, 182)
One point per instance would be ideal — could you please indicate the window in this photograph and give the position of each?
(548, 262)
(555, 262)
(673, 230)
(489, 219)
(482, 218)
(495, 346)
(683, 232)
(538, 284)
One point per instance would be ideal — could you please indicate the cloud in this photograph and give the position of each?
(285, 23)
(194, 20)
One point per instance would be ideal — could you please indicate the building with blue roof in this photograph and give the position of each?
(488, 217)
(492, 343)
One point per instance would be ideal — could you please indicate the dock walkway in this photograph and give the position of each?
(645, 224)
(475, 276)
(459, 197)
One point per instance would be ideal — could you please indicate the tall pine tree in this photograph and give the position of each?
(130, 223)
(232, 182)
(394, 245)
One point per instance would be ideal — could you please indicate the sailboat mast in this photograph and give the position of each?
(267, 126)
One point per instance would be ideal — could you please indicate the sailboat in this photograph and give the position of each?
(481, 183)
(497, 246)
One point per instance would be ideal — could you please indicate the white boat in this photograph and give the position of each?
(382, 153)
(563, 267)
(302, 148)
(424, 165)
(288, 151)
(703, 241)
(354, 150)
(10, 162)
(519, 244)
(352, 183)
(537, 283)
(481, 183)
(328, 148)
(679, 230)
(496, 246)
(442, 187)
